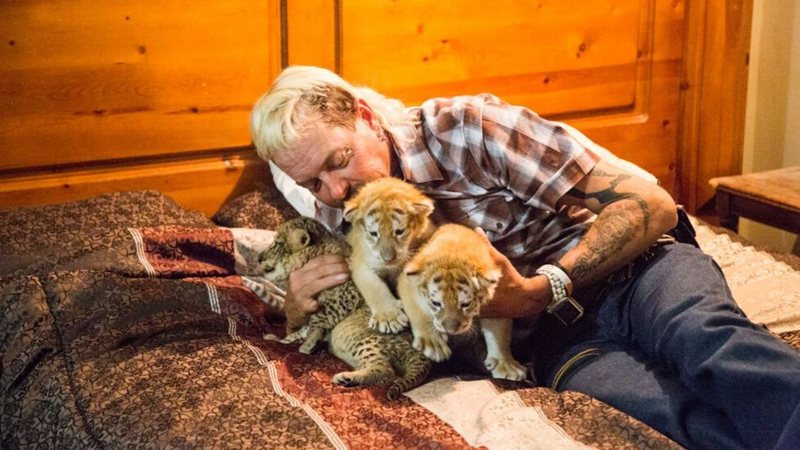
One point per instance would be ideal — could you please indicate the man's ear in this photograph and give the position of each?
(364, 111)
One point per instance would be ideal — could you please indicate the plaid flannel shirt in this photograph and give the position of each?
(500, 167)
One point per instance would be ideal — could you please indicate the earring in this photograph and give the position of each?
(381, 133)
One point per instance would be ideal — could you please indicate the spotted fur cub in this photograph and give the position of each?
(297, 242)
(389, 220)
(443, 288)
(376, 357)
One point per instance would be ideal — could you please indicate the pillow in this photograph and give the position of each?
(264, 209)
(607, 156)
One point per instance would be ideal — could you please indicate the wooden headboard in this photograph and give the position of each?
(156, 95)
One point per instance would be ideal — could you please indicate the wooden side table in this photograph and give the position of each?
(771, 197)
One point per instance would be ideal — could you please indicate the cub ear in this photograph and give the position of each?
(424, 207)
(351, 212)
(412, 270)
(489, 279)
(298, 239)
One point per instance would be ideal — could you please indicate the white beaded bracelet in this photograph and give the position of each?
(564, 307)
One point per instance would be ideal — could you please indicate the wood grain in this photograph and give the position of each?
(714, 94)
(611, 68)
(199, 183)
(84, 81)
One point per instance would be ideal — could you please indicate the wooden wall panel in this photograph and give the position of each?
(713, 104)
(85, 84)
(97, 96)
(610, 67)
(202, 183)
(96, 81)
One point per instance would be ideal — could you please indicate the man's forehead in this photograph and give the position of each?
(306, 158)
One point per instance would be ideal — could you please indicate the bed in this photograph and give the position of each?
(130, 322)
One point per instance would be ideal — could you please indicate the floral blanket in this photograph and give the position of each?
(128, 322)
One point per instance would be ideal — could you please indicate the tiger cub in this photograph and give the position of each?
(378, 358)
(442, 289)
(389, 219)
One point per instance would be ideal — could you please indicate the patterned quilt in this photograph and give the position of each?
(128, 322)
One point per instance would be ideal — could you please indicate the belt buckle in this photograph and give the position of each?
(567, 310)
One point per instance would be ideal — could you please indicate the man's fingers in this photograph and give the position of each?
(333, 268)
(322, 261)
(319, 284)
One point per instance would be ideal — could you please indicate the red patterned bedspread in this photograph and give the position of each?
(125, 324)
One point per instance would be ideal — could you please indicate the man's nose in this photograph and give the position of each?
(337, 187)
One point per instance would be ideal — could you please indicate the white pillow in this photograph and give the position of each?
(607, 156)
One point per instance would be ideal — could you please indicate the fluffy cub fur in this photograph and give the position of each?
(297, 242)
(376, 357)
(389, 220)
(442, 289)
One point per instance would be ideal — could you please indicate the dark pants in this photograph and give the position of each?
(670, 347)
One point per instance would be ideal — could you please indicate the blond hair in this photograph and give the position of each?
(303, 93)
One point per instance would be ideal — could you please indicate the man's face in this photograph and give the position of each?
(333, 162)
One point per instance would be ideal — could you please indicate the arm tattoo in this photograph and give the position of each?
(610, 195)
(613, 231)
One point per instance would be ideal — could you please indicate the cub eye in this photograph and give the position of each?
(436, 304)
(373, 234)
(399, 232)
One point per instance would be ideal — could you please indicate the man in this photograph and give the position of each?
(650, 327)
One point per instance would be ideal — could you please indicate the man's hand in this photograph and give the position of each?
(306, 282)
(515, 296)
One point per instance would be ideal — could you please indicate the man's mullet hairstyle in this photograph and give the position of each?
(301, 93)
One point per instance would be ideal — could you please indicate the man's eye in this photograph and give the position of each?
(342, 158)
(315, 186)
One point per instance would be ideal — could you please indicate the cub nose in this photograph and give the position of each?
(455, 326)
(388, 254)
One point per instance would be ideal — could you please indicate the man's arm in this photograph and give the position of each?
(631, 215)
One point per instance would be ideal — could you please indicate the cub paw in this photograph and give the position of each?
(391, 321)
(508, 369)
(271, 337)
(433, 346)
(307, 348)
(345, 379)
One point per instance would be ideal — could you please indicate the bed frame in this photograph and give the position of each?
(98, 98)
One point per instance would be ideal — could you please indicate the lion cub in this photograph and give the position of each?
(442, 289)
(389, 218)
(376, 357)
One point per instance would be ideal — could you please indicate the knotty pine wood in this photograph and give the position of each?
(611, 69)
(202, 183)
(714, 85)
(100, 96)
(86, 88)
